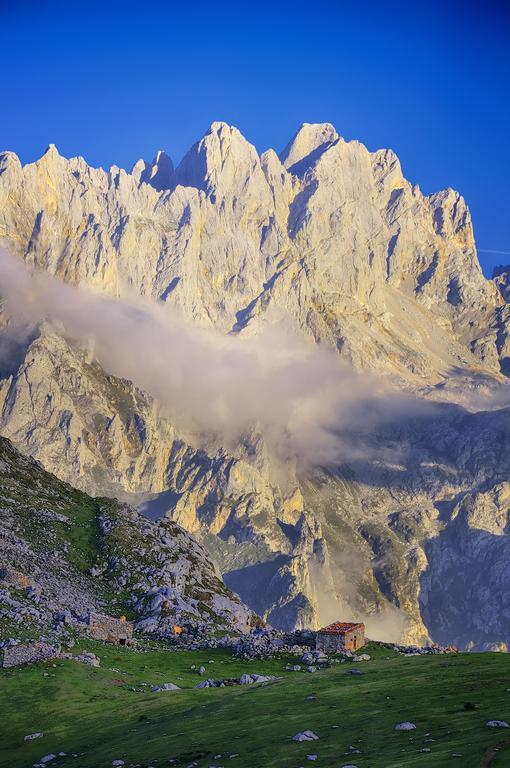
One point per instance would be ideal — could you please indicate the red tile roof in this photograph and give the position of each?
(342, 628)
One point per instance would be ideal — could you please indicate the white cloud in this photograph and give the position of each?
(300, 396)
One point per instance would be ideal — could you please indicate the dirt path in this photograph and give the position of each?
(492, 752)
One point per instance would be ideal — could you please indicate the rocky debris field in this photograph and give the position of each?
(245, 679)
(414, 650)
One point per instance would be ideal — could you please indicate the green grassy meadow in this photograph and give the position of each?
(94, 714)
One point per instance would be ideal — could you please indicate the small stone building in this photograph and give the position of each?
(341, 636)
(29, 653)
(118, 631)
(16, 578)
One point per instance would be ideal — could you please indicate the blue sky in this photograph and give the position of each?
(116, 81)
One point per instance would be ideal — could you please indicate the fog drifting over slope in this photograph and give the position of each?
(299, 395)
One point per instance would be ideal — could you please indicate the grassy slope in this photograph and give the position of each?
(81, 709)
(25, 486)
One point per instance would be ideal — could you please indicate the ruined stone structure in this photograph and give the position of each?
(340, 636)
(29, 653)
(19, 579)
(109, 629)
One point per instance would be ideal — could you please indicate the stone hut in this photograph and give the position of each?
(29, 653)
(16, 578)
(109, 629)
(341, 636)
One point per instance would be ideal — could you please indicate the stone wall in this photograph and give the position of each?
(332, 642)
(102, 627)
(29, 653)
(329, 643)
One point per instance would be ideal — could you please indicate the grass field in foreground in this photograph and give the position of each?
(93, 713)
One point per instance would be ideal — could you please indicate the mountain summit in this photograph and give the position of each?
(311, 140)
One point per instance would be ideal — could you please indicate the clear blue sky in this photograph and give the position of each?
(114, 81)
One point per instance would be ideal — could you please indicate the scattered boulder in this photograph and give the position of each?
(305, 736)
(407, 726)
(497, 724)
(314, 657)
(87, 657)
(32, 736)
(165, 687)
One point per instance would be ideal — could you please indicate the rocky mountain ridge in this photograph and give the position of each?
(328, 233)
(358, 260)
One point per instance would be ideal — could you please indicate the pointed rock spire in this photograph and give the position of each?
(9, 161)
(309, 143)
(161, 171)
(223, 163)
(158, 173)
(205, 162)
(50, 152)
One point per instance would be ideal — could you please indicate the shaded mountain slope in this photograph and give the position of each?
(64, 554)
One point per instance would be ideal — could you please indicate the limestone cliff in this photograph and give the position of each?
(357, 259)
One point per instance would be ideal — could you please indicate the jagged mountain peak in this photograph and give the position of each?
(10, 161)
(501, 278)
(349, 214)
(310, 139)
(222, 164)
(157, 174)
(50, 158)
(51, 151)
(221, 127)
(219, 139)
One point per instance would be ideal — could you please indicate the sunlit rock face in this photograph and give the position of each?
(334, 239)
